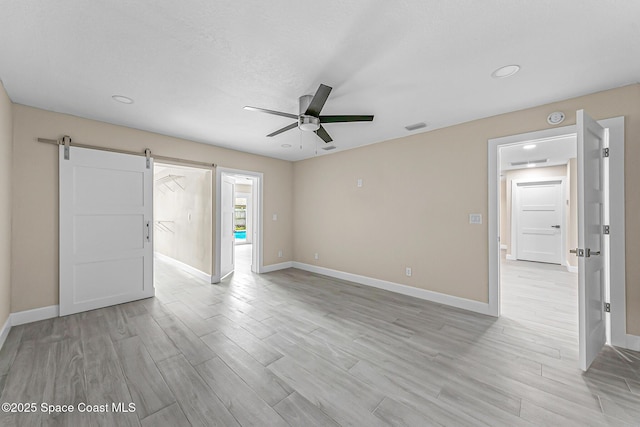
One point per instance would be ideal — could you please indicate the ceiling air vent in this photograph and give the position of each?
(329, 147)
(530, 162)
(416, 126)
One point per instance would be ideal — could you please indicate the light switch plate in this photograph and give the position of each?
(475, 218)
(359, 182)
(275, 217)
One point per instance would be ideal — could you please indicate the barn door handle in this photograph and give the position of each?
(555, 226)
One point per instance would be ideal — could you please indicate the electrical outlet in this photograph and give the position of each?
(407, 271)
(315, 256)
(359, 183)
(275, 217)
(280, 253)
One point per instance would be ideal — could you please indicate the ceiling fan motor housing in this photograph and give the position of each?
(306, 122)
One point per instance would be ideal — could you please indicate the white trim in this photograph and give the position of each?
(511, 257)
(182, 266)
(515, 208)
(258, 220)
(34, 315)
(4, 332)
(276, 267)
(617, 218)
(503, 247)
(463, 303)
(632, 342)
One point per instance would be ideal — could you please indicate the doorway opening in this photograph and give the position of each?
(538, 223)
(239, 221)
(600, 206)
(183, 220)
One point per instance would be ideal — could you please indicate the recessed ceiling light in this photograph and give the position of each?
(506, 71)
(122, 99)
(529, 146)
(286, 145)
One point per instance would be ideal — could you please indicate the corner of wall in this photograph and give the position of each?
(6, 206)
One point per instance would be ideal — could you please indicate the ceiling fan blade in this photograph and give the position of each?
(342, 119)
(316, 104)
(277, 113)
(322, 133)
(284, 129)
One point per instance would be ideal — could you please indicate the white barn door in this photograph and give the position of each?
(106, 221)
(591, 261)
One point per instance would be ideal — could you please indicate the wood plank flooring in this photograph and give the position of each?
(299, 349)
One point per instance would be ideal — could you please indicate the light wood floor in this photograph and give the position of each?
(293, 348)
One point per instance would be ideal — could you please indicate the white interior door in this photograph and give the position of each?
(591, 265)
(106, 213)
(539, 221)
(227, 236)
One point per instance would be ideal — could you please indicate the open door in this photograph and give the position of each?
(106, 217)
(590, 251)
(227, 236)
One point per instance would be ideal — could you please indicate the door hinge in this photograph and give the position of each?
(605, 229)
(607, 307)
(66, 140)
(605, 152)
(147, 154)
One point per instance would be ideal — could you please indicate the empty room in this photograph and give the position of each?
(294, 213)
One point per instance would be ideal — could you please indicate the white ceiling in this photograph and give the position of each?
(557, 151)
(192, 65)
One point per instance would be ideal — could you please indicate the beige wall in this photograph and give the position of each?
(35, 192)
(374, 232)
(6, 132)
(533, 174)
(183, 216)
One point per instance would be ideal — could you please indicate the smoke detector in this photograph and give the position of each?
(555, 118)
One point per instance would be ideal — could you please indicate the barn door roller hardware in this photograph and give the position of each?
(66, 141)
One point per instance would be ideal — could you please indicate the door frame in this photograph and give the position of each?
(257, 196)
(514, 217)
(617, 275)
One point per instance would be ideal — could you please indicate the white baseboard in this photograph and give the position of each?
(633, 342)
(276, 267)
(466, 304)
(511, 257)
(4, 332)
(28, 316)
(503, 247)
(571, 268)
(184, 267)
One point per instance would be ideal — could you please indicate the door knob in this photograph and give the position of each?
(555, 226)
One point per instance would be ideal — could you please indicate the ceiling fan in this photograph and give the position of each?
(309, 118)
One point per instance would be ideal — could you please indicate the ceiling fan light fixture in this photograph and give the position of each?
(309, 123)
